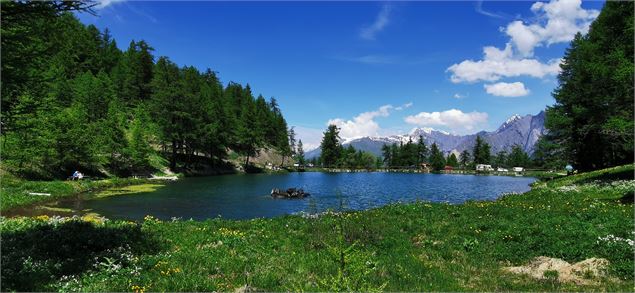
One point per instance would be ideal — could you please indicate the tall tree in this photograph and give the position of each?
(386, 155)
(592, 119)
(288, 149)
(331, 146)
(518, 157)
(481, 151)
(167, 105)
(465, 159)
(422, 150)
(437, 160)
(501, 159)
(300, 154)
(452, 160)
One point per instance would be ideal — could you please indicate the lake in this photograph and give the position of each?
(248, 196)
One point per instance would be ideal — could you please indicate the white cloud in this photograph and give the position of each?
(105, 3)
(453, 119)
(480, 10)
(311, 137)
(498, 64)
(504, 89)
(364, 124)
(556, 22)
(404, 106)
(458, 96)
(383, 18)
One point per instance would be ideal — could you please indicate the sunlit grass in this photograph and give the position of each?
(15, 192)
(402, 247)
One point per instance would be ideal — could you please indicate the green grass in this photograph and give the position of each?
(406, 247)
(14, 192)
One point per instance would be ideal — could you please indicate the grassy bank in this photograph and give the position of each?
(407, 247)
(14, 191)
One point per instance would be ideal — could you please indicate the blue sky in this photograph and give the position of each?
(372, 68)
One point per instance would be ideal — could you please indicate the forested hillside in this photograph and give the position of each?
(73, 100)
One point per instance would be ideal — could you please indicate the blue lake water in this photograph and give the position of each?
(247, 196)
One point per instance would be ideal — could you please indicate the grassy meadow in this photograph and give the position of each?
(403, 247)
(14, 192)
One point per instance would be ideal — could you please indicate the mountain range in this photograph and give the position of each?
(522, 130)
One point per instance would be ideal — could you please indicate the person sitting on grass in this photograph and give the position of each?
(77, 175)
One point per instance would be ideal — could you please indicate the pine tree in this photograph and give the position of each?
(167, 105)
(300, 154)
(501, 159)
(114, 139)
(386, 155)
(436, 158)
(452, 160)
(518, 157)
(592, 119)
(139, 147)
(331, 147)
(422, 150)
(464, 159)
(481, 151)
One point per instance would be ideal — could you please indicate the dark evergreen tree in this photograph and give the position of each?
(437, 160)
(386, 155)
(465, 159)
(501, 159)
(518, 157)
(330, 146)
(452, 160)
(422, 150)
(300, 154)
(72, 100)
(481, 152)
(592, 119)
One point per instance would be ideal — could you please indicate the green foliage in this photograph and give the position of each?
(518, 157)
(465, 159)
(408, 155)
(73, 101)
(400, 247)
(49, 252)
(452, 160)
(299, 157)
(591, 124)
(331, 147)
(14, 192)
(481, 152)
(342, 157)
(437, 160)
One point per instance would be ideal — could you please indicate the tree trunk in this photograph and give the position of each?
(173, 159)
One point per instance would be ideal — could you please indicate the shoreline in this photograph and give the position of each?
(418, 246)
(36, 194)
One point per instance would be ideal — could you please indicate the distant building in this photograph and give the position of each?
(296, 165)
(499, 169)
(519, 169)
(448, 169)
(484, 167)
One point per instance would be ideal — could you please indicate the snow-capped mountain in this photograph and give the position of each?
(522, 130)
